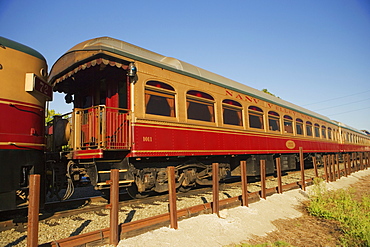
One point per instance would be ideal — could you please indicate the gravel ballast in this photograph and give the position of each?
(233, 220)
(236, 224)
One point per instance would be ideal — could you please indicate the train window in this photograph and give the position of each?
(255, 117)
(299, 126)
(323, 131)
(232, 112)
(308, 128)
(334, 134)
(317, 130)
(288, 124)
(159, 99)
(274, 121)
(329, 133)
(200, 106)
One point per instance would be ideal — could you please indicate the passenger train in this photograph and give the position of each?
(140, 112)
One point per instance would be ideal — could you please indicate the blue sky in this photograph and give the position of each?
(314, 53)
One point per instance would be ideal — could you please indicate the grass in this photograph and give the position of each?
(341, 205)
(350, 209)
(275, 244)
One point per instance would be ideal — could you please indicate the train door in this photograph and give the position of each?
(116, 112)
(101, 102)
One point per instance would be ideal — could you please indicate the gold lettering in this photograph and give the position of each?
(147, 139)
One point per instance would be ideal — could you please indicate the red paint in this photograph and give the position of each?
(160, 140)
(153, 141)
(22, 126)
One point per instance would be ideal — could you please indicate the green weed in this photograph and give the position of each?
(275, 244)
(340, 205)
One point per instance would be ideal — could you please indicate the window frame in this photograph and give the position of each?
(289, 120)
(323, 132)
(162, 90)
(317, 132)
(299, 122)
(255, 111)
(273, 117)
(330, 133)
(232, 105)
(201, 98)
(309, 129)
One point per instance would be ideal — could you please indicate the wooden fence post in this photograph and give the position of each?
(338, 167)
(114, 206)
(326, 168)
(33, 211)
(349, 158)
(334, 175)
(315, 166)
(172, 196)
(215, 188)
(278, 170)
(344, 157)
(243, 168)
(301, 163)
(263, 178)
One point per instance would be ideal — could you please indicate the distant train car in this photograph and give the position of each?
(24, 91)
(140, 112)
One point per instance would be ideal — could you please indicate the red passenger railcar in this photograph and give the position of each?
(140, 112)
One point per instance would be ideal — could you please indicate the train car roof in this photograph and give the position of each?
(20, 47)
(137, 53)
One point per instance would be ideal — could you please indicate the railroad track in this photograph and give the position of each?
(92, 210)
(59, 209)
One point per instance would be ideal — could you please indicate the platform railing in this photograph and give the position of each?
(101, 127)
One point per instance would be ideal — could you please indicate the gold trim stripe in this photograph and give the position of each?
(22, 144)
(6, 102)
(240, 152)
(210, 151)
(121, 170)
(120, 182)
(87, 154)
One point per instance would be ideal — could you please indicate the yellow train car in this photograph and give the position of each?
(140, 111)
(23, 77)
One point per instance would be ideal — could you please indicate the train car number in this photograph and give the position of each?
(147, 138)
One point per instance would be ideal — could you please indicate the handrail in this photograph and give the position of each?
(101, 127)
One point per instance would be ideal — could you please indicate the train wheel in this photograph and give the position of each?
(135, 194)
(185, 188)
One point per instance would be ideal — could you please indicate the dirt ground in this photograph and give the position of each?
(281, 217)
(309, 230)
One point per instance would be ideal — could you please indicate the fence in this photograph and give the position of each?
(332, 171)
